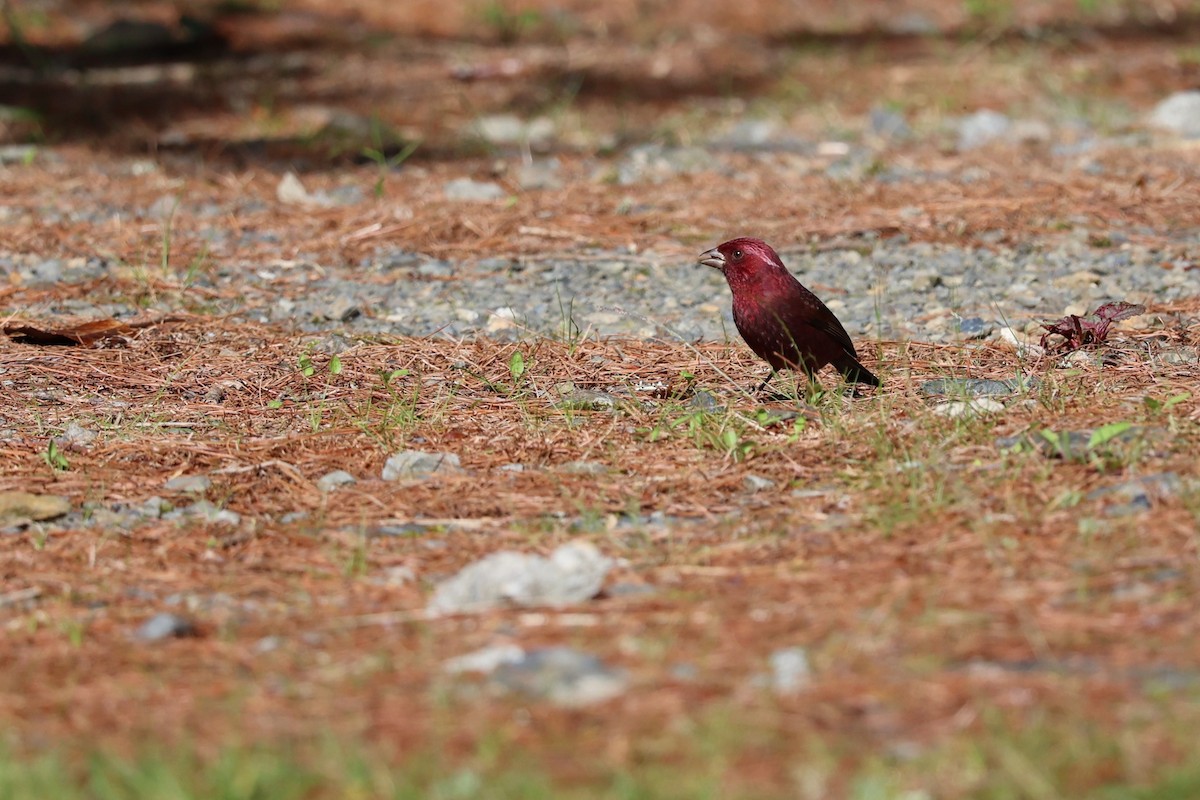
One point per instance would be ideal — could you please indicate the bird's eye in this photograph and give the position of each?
(737, 255)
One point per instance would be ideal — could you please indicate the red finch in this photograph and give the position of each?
(784, 323)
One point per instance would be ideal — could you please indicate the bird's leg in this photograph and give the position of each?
(766, 380)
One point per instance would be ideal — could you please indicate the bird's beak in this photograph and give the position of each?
(712, 258)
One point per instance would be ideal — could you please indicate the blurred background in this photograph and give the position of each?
(308, 83)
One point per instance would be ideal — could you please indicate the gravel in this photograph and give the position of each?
(879, 288)
(919, 291)
(573, 573)
(166, 626)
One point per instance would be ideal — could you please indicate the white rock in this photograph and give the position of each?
(1179, 113)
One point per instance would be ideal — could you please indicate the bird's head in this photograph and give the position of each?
(744, 260)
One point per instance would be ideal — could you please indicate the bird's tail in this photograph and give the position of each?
(856, 372)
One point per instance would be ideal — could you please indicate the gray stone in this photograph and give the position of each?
(192, 484)
(977, 387)
(331, 481)
(1179, 114)
(473, 191)
(885, 123)
(757, 483)
(981, 128)
(969, 408)
(656, 163)
(749, 134)
(509, 129)
(790, 671)
(418, 465)
(166, 626)
(583, 468)
(975, 328)
(704, 401)
(485, 660)
(573, 573)
(541, 174)
(17, 153)
(75, 435)
(1074, 445)
(562, 675)
(589, 399)
(207, 511)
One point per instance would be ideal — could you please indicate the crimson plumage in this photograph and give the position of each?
(784, 323)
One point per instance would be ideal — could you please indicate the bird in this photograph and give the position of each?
(784, 323)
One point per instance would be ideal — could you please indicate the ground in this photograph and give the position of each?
(910, 592)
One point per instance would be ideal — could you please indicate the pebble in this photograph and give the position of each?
(419, 465)
(562, 675)
(757, 483)
(573, 573)
(469, 190)
(1179, 114)
(977, 387)
(981, 128)
(790, 671)
(331, 481)
(969, 408)
(485, 660)
(887, 124)
(583, 468)
(541, 174)
(166, 626)
(191, 484)
(588, 399)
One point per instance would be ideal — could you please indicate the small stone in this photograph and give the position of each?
(887, 124)
(541, 174)
(268, 644)
(166, 626)
(573, 573)
(399, 575)
(502, 319)
(1025, 349)
(153, 508)
(975, 328)
(291, 192)
(925, 280)
(562, 675)
(486, 660)
(583, 468)
(1078, 280)
(418, 465)
(704, 401)
(588, 399)
(750, 134)
(1179, 114)
(341, 309)
(331, 481)
(509, 129)
(981, 128)
(976, 387)
(1080, 358)
(757, 483)
(18, 508)
(209, 512)
(971, 408)
(1030, 131)
(790, 671)
(191, 484)
(469, 190)
(17, 153)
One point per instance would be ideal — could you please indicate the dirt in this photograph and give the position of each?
(941, 587)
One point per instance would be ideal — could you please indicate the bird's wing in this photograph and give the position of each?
(828, 324)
